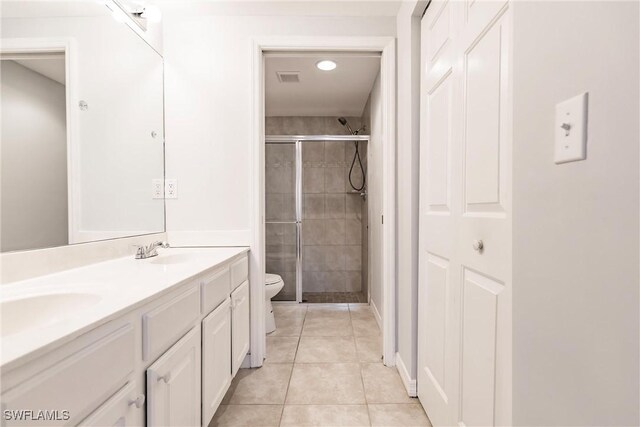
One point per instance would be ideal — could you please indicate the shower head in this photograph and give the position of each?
(344, 123)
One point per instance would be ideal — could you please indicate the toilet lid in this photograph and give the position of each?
(270, 279)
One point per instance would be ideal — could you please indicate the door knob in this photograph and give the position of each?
(137, 402)
(165, 378)
(478, 245)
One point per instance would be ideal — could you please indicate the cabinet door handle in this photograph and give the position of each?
(137, 402)
(165, 378)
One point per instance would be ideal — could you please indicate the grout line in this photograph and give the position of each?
(293, 366)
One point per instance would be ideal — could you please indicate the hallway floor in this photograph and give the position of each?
(323, 368)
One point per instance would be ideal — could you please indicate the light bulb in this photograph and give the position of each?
(326, 65)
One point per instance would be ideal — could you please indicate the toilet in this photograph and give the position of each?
(273, 284)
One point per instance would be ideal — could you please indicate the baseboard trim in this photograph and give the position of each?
(376, 314)
(409, 384)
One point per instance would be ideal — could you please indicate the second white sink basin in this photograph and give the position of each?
(23, 313)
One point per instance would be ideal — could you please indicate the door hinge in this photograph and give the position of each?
(383, 219)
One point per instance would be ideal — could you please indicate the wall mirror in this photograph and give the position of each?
(82, 130)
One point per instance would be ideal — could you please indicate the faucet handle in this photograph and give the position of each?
(139, 251)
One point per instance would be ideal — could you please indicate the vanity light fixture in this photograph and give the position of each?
(326, 65)
(151, 13)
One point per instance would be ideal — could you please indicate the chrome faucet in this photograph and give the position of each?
(150, 250)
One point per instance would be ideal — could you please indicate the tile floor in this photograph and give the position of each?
(323, 369)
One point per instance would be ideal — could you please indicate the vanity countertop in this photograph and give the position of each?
(94, 295)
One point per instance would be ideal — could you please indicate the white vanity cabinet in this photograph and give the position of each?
(123, 409)
(166, 362)
(240, 328)
(173, 384)
(216, 359)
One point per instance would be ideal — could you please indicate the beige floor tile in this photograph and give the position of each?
(328, 308)
(289, 310)
(327, 327)
(326, 350)
(247, 416)
(365, 326)
(334, 312)
(281, 349)
(360, 310)
(383, 384)
(288, 327)
(326, 384)
(398, 415)
(266, 385)
(325, 416)
(369, 348)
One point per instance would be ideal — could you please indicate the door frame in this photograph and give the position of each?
(387, 47)
(67, 46)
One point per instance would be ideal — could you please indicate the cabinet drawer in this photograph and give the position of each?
(125, 408)
(216, 287)
(164, 325)
(239, 271)
(80, 383)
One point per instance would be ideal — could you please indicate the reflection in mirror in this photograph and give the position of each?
(33, 167)
(82, 139)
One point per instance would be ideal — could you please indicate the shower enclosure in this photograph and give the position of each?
(315, 221)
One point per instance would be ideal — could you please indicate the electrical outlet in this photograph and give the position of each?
(157, 188)
(171, 189)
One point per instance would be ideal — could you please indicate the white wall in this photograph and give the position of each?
(34, 160)
(208, 117)
(575, 226)
(408, 126)
(375, 200)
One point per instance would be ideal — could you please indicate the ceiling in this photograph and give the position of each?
(52, 8)
(341, 92)
(281, 7)
(52, 68)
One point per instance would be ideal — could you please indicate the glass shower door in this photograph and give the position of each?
(282, 227)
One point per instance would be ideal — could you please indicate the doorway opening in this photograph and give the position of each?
(318, 122)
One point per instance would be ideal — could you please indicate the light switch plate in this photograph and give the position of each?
(157, 188)
(171, 188)
(571, 129)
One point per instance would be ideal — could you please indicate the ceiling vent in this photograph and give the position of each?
(288, 76)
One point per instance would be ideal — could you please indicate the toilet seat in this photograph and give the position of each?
(272, 279)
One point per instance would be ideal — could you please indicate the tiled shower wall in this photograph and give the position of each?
(333, 226)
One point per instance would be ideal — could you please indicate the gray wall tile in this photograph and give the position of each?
(312, 180)
(334, 180)
(333, 246)
(335, 206)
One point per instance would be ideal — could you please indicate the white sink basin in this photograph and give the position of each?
(23, 313)
(171, 259)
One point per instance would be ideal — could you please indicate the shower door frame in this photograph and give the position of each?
(298, 140)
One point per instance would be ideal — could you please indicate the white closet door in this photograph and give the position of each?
(465, 214)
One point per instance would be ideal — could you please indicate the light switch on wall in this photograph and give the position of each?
(571, 129)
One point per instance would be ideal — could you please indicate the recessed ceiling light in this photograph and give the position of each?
(326, 65)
